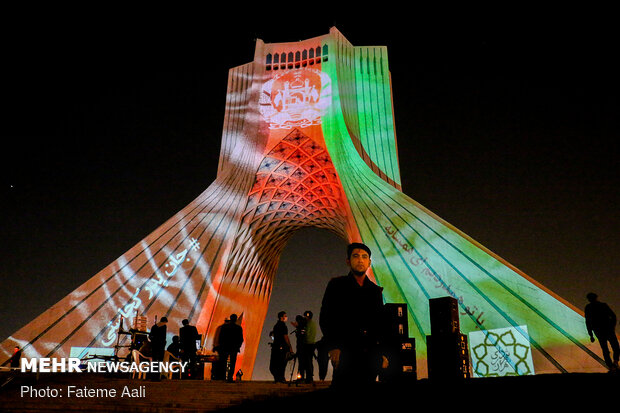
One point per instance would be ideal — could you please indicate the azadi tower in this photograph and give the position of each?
(309, 140)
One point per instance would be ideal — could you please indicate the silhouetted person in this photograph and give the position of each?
(219, 366)
(279, 348)
(230, 341)
(15, 358)
(300, 338)
(601, 321)
(352, 321)
(175, 348)
(188, 334)
(157, 335)
(322, 358)
(309, 346)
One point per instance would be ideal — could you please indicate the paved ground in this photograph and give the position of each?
(95, 393)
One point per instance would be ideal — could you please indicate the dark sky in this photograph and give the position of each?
(507, 128)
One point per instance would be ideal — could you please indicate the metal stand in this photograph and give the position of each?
(293, 372)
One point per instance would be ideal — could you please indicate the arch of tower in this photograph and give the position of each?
(309, 140)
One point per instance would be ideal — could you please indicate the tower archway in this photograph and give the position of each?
(309, 260)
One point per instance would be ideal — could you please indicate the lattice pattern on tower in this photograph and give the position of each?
(296, 186)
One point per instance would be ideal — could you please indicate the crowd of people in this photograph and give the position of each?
(304, 353)
(352, 322)
(354, 347)
(227, 344)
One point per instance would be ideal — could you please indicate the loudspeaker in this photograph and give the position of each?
(402, 362)
(407, 358)
(444, 314)
(448, 356)
(397, 320)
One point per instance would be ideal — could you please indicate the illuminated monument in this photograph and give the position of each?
(308, 140)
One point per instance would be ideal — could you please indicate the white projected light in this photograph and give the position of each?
(91, 353)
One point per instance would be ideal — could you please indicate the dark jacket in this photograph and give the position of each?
(279, 333)
(231, 337)
(600, 319)
(187, 336)
(352, 315)
(157, 335)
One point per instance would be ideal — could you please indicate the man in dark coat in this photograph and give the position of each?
(157, 336)
(188, 335)
(601, 321)
(280, 347)
(230, 341)
(352, 321)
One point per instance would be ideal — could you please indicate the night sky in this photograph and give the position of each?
(506, 128)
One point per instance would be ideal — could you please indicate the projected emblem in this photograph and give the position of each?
(501, 352)
(296, 98)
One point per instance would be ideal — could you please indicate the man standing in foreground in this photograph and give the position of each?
(351, 319)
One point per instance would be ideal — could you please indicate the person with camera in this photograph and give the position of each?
(281, 348)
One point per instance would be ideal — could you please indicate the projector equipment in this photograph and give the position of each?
(400, 347)
(447, 349)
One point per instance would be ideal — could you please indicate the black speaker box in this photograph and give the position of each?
(444, 314)
(407, 356)
(448, 356)
(397, 319)
(402, 362)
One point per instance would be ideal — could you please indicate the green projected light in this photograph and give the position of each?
(418, 256)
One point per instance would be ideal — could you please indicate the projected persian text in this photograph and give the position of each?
(152, 287)
(439, 282)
